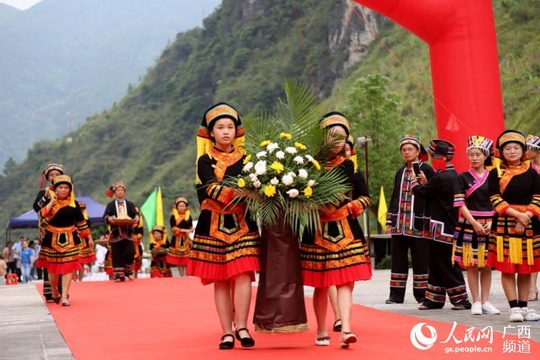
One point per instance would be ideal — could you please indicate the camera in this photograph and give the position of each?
(416, 168)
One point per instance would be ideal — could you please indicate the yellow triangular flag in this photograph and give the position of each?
(382, 210)
(159, 208)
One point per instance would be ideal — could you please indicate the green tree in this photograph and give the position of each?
(375, 113)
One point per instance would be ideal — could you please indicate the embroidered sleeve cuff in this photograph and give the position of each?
(459, 200)
(502, 207)
(84, 233)
(355, 209)
(220, 193)
(534, 209)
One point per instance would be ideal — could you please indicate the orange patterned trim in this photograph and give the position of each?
(58, 230)
(224, 160)
(338, 214)
(509, 172)
(324, 240)
(216, 206)
(520, 208)
(335, 162)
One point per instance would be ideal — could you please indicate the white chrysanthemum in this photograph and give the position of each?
(280, 155)
(252, 177)
(303, 173)
(248, 166)
(291, 173)
(293, 193)
(274, 181)
(261, 154)
(311, 183)
(309, 157)
(287, 179)
(291, 150)
(299, 160)
(260, 167)
(257, 184)
(271, 147)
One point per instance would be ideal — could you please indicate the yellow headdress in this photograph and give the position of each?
(175, 213)
(65, 179)
(161, 229)
(216, 112)
(335, 118)
(506, 137)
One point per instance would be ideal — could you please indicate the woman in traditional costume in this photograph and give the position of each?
(43, 197)
(338, 253)
(159, 246)
(349, 152)
(226, 242)
(59, 252)
(181, 226)
(472, 230)
(514, 243)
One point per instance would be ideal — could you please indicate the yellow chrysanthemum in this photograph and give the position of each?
(247, 159)
(269, 190)
(316, 164)
(241, 183)
(300, 146)
(285, 136)
(277, 167)
(265, 143)
(308, 191)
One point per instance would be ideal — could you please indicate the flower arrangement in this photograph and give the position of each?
(283, 178)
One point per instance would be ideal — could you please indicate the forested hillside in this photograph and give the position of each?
(243, 55)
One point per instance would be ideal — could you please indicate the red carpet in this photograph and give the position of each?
(176, 318)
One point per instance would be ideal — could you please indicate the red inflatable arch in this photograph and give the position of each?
(464, 64)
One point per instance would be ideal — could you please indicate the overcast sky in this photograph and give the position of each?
(20, 4)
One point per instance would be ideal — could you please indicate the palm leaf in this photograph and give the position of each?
(297, 116)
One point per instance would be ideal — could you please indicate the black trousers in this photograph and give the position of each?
(401, 244)
(444, 277)
(123, 255)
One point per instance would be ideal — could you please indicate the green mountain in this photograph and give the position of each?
(243, 55)
(63, 60)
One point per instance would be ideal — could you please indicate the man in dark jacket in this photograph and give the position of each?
(444, 277)
(407, 224)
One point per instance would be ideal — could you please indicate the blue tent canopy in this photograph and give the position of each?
(29, 219)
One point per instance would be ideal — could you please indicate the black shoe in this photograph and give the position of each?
(430, 305)
(56, 300)
(337, 326)
(390, 301)
(245, 341)
(462, 305)
(226, 345)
